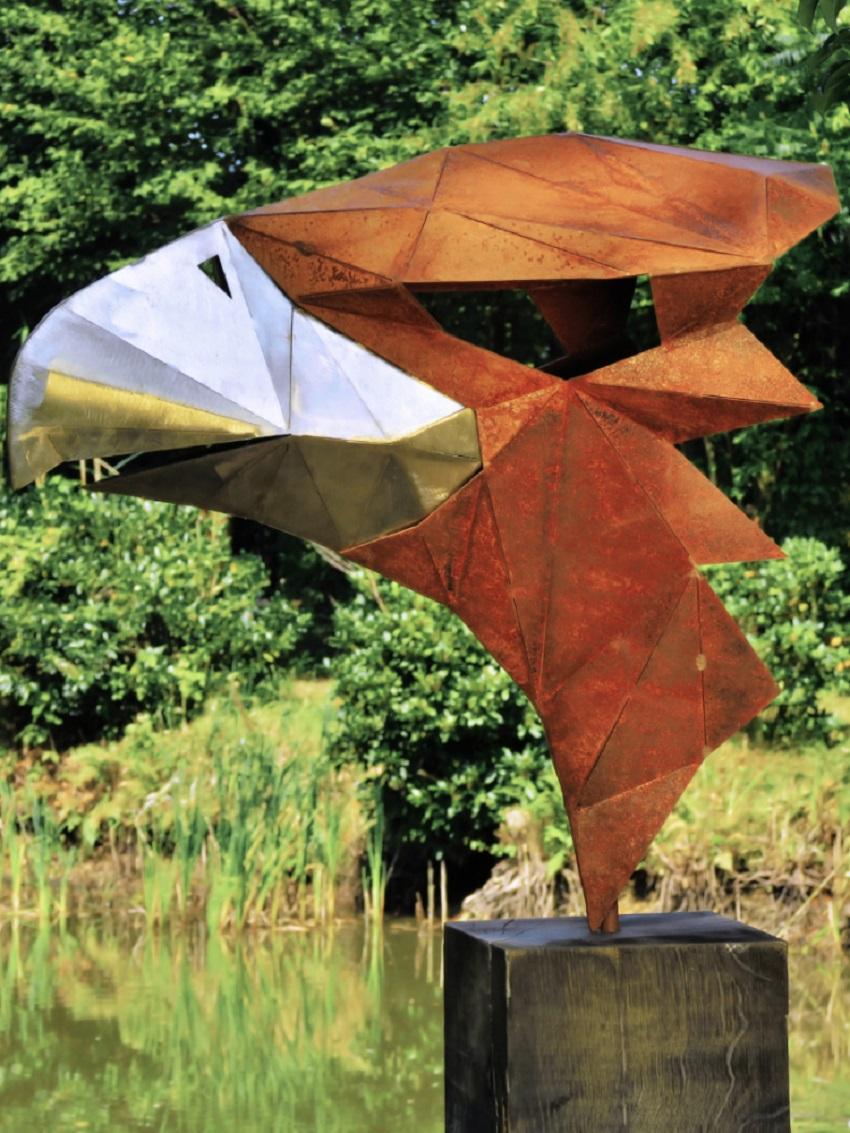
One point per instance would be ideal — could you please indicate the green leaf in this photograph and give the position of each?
(806, 12)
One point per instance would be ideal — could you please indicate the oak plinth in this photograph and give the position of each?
(677, 1024)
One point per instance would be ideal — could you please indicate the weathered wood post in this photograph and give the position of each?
(676, 1024)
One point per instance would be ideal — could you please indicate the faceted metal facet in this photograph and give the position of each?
(555, 517)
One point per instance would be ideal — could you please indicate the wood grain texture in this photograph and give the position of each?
(677, 1024)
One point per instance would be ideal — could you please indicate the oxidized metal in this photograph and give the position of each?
(554, 516)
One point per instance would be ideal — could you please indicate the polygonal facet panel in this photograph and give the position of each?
(335, 492)
(164, 306)
(341, 390)
(570, 545)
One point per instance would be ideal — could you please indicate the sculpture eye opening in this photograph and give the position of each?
(565, 328)
(214, 270)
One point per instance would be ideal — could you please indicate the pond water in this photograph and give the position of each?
(317, 1032)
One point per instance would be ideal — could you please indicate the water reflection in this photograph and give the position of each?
(291, 1031)
(115, 1030)
(819, 1027)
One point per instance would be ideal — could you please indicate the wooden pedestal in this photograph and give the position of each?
(677, 1024)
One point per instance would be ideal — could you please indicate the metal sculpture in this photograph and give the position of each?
(555, 516)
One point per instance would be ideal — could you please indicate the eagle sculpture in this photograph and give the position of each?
(286, 352)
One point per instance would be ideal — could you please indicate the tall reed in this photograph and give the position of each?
(33, 860)
(258, 837)
(375, 875)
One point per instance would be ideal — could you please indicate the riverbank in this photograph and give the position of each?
(239, 819)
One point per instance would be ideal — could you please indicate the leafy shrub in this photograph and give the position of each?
(439, 723)
(302, 573)
(110, 606)
(797, 616)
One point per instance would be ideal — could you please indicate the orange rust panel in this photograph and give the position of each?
(378, 241)
(600, 253)
(448, 535)
(458, 249)
(524, 482)
(299, 271)
(678, 417)
(708, 525)
(731, 215)
(797, 202)
(389, 304)
(615, 563)
(581, 712)
(410, 184)
(499, 424)
(689, 302)
(586, 314)
(405, 558)
(612, 189)
(612, 837)
(648, 744)
(484, 599)
(736, 379)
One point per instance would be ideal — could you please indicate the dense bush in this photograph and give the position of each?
(797, 616)
(110, 606)
(431, 713)
(306, 577)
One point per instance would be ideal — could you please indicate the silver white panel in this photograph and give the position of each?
(398, 402)
(324, 402)
(166, 306)
(69, 344)
(270, 312)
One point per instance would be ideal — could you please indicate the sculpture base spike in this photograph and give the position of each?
(611, 922)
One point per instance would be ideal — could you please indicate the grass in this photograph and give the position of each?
(35, 864)
(237, 818)
(758, 834)
(766, 829)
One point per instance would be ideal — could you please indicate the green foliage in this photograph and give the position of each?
(830, 10)
(310, 582)
(720, 75)
(829, 66)
(256, 835)
(453, 741)
(235, 818)
(797, 616)
(426, 708)
(126, 124)
(112, 606)
(123, 125)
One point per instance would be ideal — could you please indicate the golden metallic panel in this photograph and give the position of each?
(80, 418)
(335, 492)
(83, 406)
(346, 475)
(453, 436)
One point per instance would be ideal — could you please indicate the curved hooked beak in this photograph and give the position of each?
(196, 346)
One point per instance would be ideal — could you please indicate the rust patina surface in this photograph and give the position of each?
(562, 524)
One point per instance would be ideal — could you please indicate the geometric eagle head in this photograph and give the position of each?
(195, 346)
(279, 365)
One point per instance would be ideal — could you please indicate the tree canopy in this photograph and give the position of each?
(125, 123)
